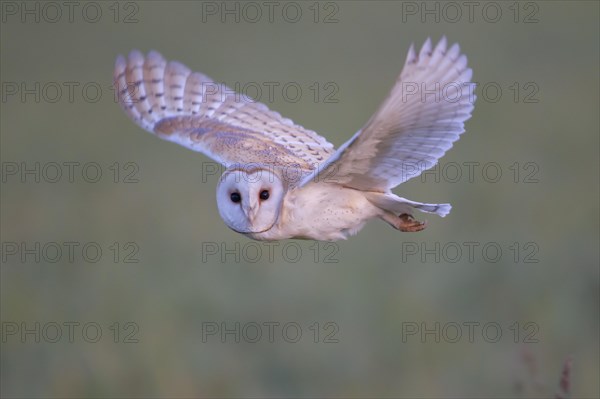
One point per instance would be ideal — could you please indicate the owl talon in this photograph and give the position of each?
(410, 224)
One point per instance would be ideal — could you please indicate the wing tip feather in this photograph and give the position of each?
(135, 57)
(411, 57)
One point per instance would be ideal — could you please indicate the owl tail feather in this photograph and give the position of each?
(398, 205)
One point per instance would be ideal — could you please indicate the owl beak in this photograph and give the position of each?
(251, 211)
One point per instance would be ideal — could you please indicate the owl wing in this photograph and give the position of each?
(190, 109)
(413, 128)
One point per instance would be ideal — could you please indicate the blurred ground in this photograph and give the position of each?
(510, 274)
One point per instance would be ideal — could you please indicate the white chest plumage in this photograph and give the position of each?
(325, 212)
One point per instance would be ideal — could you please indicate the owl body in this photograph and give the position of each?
(338, 190)
(326, 212)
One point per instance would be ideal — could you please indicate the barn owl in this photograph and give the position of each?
(284, 181)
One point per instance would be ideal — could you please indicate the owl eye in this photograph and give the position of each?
(235, 197)
(264, 195)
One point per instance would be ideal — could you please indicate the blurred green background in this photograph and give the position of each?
(542, 56)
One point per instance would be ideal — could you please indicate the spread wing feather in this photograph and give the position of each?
(419, 121)
(190, 109)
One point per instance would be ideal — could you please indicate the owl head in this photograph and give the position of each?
(249, 199)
